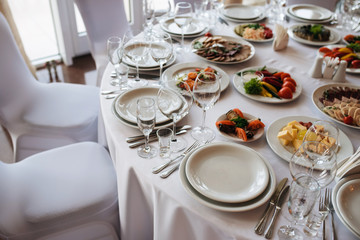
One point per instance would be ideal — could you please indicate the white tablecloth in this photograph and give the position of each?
(155, 208)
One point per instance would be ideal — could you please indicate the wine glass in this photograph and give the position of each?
(303, 195)
(136, 48)
(315, 159)
(145, 116)
(183, 18)
(161, 49)
(148, 11)
(323, 131)
(206, 91)
(174, 100)
(114, 44)
(161, 9)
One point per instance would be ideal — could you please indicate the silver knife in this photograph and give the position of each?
(141, 75)
(282, 197)
(223, 21)
(151, 139)
(260, 227)
(153, 133)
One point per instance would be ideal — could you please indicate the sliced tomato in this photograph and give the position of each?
(238, 112)
(324, 50)
(225, 122)
(208, 34)
(289, 85)
(255, 124)
(285, 92)
(240, 133)
(348, 120)
(284, 75)
(355, 64)
(290, 80)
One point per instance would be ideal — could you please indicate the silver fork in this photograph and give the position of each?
(158, 169)
(323, 210)
(331, 209)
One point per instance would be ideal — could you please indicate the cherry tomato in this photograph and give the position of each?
(284, 75)
(355, 64)
(285, 92)
(208, 34)
(348, 120)
(324, 50)
(290, 80)
(289, 85)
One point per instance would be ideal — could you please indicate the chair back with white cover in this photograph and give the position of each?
(102, 20)
(41, 116)
(59, 194)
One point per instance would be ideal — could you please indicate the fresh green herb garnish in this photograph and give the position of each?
(354, 46)
(198, 45)
(255, 26)
(253, 86)
(316, 29)
(240, 122)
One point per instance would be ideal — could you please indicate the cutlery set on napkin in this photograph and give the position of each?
(349, 166)
(274, 208)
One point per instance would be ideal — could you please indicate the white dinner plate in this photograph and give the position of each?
(348, 70)
(178, 70)
(195, 27)
(126, 103)
(131, 65)
(310, 12)
(239, 86)
(230, 207)
(345, 213)
(285, 153)
(254, 40)
(190, 35)
(227, 172)
(147, 62)
(318, 93)
(239, 11)
(134, 125)
(227, 38)
(236, 20)
(334, 37)
(288, 14)
(233, 137)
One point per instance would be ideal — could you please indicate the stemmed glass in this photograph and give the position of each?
(174, 100)
(206, 91)
(161, 9)
(148, 11)
(315, 159)
(145, 116)
(114, 44)
(183, 18)
(161, 49)
(304, 192)
(136, 48)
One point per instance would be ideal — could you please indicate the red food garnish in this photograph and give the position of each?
(348, 120)
(289, 85)
(285, 92)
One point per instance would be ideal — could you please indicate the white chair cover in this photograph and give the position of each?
(57, 190)
(41, 116)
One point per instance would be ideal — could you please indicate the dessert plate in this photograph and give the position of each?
(195, 27)
(310, 12)
(239, 11)
(227, 172)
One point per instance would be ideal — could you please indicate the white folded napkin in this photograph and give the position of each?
(330, 64)
(281, 38)
(349, 166)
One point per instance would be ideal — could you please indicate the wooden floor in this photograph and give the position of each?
(81, 72)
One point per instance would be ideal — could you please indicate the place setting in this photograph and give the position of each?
(309, 13)
(242, 13)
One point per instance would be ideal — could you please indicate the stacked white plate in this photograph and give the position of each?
(242, 13)
(228, 177)
(124, 106)
(309, 13)
(196, 28)
(346, 202)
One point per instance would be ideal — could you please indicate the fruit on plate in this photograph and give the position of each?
(254, 31)
(235, 124)
(312, 32)
(273, 84)
(350, 53)
(190, 77)
(294, 132)
(343, 104)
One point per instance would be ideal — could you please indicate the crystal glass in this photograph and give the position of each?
(323, 131)
(145, 115)
(174, 100)
(161, 9)
(114, 44)
(314, 159)
(161, 49)
(304, 192)
(136, 48)
(149, 14)
(183, 19)
(206, 91)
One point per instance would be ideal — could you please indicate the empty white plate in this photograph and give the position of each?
(227, 172)
(170, 26)
(348, 200)
(239, 11)
(310, 12)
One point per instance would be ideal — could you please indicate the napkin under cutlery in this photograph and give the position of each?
(281, 38)
(349, 166)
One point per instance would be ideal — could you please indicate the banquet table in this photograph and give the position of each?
(156, 208)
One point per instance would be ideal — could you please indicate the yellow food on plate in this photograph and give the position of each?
(293, 133)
